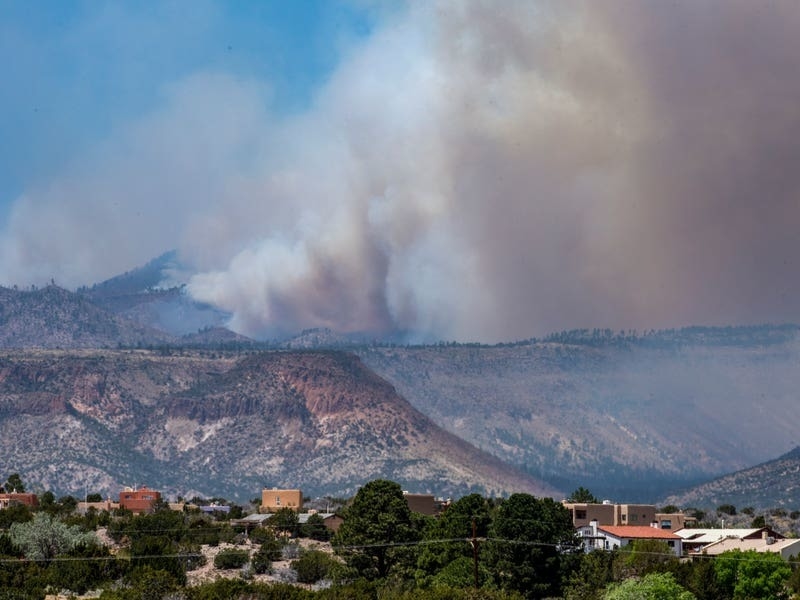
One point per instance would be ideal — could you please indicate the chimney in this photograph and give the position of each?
(593, 525)
(654, 524)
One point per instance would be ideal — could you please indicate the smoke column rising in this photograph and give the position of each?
(472, 171)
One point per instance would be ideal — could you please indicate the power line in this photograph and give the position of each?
(95, 558)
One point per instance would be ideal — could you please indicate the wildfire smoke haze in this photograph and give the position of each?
(469, 171)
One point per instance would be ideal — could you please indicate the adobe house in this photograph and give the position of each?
(14, 498)
(606, 513)
(275, 499)
(138, 500)
(421, 503)
(107, 505)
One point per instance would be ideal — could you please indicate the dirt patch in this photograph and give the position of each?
(281, 569)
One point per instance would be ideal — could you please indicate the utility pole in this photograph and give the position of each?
(474, 542)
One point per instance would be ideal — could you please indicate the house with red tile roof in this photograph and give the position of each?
(609, 537)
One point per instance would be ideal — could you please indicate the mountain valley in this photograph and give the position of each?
(95, 379)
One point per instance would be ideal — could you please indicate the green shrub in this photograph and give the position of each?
(262, 559)
(231, 558)
(147, 583)
(222, 589)
(727, 509)
(259, 535)
(313, 565)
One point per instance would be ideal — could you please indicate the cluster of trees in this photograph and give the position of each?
(526, 546)
(515, 548)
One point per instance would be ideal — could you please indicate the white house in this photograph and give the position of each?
(609, 537)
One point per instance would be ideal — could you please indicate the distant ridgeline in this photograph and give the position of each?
(741, 336)
(751, 335)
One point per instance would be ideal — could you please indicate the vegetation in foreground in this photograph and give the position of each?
(516, 548)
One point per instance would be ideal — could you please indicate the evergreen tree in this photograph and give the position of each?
(376, 525)
(285, 521)
(456, 523)
(530, 544)
(583, 495)
(316, 529)
(14, 484)
(589, 580)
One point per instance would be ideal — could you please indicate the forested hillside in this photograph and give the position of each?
(629, 415)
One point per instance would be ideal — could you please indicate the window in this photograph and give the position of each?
(666, 524)
(277, 500)
(580, 514)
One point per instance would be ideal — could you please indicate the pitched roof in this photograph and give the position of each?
(255, 518)
(640, 532)
(757, 544)
(707, 536)
(302, 518)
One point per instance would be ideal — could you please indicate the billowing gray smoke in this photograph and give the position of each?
(473, 171)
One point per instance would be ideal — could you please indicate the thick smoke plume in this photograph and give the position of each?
(471, 171)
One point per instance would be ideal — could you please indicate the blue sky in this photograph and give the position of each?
(72, 71)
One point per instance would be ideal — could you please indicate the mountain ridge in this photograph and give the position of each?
(227, 426)
(633, 416)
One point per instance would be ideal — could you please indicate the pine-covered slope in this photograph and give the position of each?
(775, 483)
(630, 417)
(52, 317)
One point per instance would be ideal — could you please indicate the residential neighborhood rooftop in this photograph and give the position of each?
(708, 536)
(785, 547)
(638, 532)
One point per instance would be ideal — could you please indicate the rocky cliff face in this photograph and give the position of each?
(227, 425)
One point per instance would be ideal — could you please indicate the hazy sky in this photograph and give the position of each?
(472, 170)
